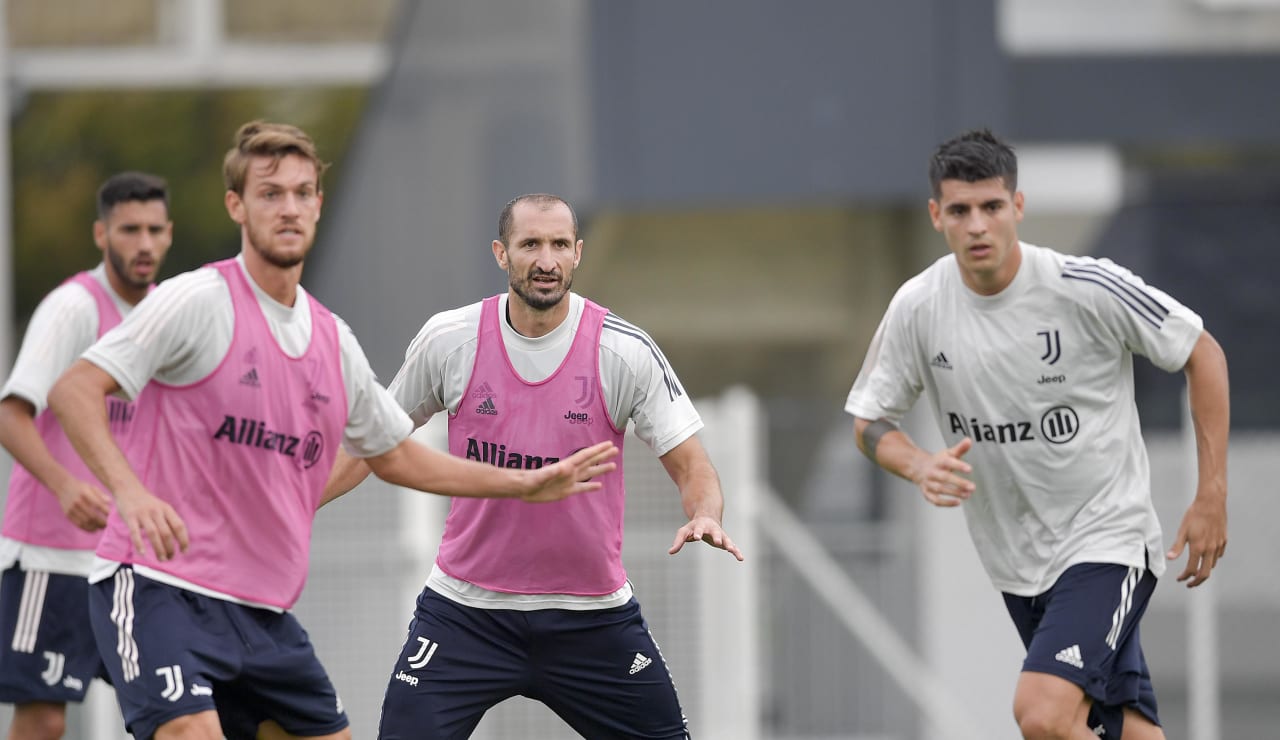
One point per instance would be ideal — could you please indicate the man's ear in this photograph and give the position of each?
(235, 206)
(935, 214)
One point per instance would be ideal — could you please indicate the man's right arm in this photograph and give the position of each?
(936, 474)
(61, 327)
(84, 504)
(348, 472)
(79, 401)
(886, 388)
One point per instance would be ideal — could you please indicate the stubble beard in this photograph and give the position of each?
(121, 269)
(274, 258)
(540, 301)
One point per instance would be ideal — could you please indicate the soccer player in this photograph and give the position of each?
(1027, 358)
(535, 600)
(251, 386)
(55, 510)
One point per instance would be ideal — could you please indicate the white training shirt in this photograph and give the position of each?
(64, 324)
(636, 380)
(1040, 376)
(179, 334)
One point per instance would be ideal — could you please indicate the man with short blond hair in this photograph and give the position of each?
(254, 385)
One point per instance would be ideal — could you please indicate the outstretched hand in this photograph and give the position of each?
(939, 477)
(707, 530)
(572, 475)
(84, 504)
(1204, 533)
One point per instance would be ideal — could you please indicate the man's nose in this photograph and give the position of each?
(291, 206)
(545, 259)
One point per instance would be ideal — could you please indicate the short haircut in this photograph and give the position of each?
(973, 156)
(131, 186)
(263, 139)
(545, 201)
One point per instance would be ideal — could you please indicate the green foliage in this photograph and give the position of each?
(66, 144)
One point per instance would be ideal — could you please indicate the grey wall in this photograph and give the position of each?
(482, 104)
(763, 101)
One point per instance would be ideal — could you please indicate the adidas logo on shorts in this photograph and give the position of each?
(639, 664)
(1071, 656)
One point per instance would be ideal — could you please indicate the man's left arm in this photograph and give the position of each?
(1204, 526)
(690, 468)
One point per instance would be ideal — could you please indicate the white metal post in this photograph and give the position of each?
(1204, 711)
(6, 198)
(729, 641)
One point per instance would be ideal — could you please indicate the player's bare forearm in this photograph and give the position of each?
(700, 492)
(695, 477)
(414, 465)
(1209, 397)
(889, 447)
(348, 472)
(1203, 532)
(417, 466)
(939, 476)
(83, 503)
(701, 496)
(20, 437)
(78, 399)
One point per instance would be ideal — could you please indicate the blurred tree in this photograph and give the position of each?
(66, 144)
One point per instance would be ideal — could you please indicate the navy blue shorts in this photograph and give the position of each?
(47, 652)
(1085, 629)
(171, 653)
(599, 670)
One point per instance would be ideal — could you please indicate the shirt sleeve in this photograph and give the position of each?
(375, 422)
(436, 367)
(177, 334)
(639, 384)
(63, 325)
(1148, 321)
(890, 381)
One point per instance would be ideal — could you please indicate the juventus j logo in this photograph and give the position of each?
(57, 662)
(425, 652)
(173, 688)
(585, 393)
(1052, 346)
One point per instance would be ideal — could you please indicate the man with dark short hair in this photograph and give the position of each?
(1026, 356)
(55, 510)
(535, 601)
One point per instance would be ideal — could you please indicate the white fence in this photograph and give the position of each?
(831, 629)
